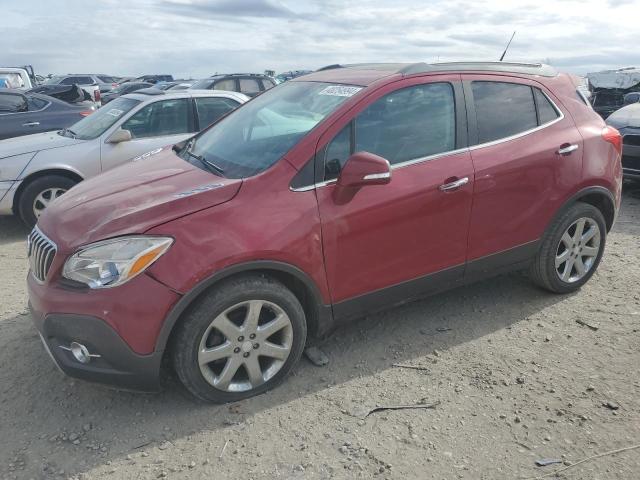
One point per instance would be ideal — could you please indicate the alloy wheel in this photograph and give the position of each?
(44, 198)
(245, 346)
(578, 250)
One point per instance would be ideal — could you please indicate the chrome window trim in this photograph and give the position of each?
(456, 151)
(526, 132)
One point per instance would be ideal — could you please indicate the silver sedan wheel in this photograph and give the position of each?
(44, 198)
(578, 250)
(245, 346)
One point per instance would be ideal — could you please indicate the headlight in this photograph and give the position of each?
(114, 262)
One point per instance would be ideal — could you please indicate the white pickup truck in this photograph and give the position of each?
(13, 77)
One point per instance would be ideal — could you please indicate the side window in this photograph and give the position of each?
(69, 81)
(410, 123)
(337, 153)
(36, 103)
(546, 111)
(167, 117)
(228, 84)
(249, 86)
(85, 80)
(503, 109)
(211, 109)
(267, 84)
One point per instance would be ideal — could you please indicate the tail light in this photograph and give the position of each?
(611, 135)
(84, 113)
(96, 96)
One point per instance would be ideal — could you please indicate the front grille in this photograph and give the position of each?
(40, 251)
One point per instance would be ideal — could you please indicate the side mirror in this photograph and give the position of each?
(361, 169)
(120, 135)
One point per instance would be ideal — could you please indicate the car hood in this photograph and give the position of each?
(628, 116)
(33, 143)
(153, 189)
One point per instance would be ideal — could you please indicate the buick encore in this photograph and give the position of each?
(336, 194)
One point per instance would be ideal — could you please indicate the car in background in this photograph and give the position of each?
(627, 121)
(38, 168)
(632, 97)
(85, 81)
(248, 83)
(609, 88)
(154, 78)
(175, 85)
(25, 113)
(290, 75)
(181, 86)
(16, 77)
(123, 89)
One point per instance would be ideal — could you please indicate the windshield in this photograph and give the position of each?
(259, 133)
(203, 84)
(98, 122)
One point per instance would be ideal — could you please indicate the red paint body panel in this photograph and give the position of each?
(136, 311)
(131, 199)
(266, 221)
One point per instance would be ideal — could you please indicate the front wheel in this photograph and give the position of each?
(38, 194)
(239, 340)
(571, 249)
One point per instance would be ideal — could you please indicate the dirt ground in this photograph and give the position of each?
(516, 376)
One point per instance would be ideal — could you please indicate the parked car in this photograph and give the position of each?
(609, 88)
(632, 97)
(123, 89)
(16, 77)
(248, 83)
(181, 86)
(284, 76)
(330, 196)
(627, 121)
(87, 82)
(27, 113)
(38, 168)
(154, 78)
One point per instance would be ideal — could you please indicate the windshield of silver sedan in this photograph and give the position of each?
(100, 121)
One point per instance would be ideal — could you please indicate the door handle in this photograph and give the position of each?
(30, 124)
(445, 187)
(566, 149)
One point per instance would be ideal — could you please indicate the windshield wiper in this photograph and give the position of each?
(212, 167)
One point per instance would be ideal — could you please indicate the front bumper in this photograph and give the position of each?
(114, 364)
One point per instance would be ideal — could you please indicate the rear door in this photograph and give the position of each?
(399, 240)
(517, 128)
(157, 124)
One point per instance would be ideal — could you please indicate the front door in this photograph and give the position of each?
(156, 125)
(397, 241)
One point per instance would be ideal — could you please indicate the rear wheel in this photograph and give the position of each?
(571, 249)
(240, 340)
(38, 194)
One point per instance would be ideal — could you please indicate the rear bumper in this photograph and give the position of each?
(114, 364)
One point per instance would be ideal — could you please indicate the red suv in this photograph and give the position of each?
(345, 191)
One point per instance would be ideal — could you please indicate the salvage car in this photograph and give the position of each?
(25, 113)
(85, 81)
(123, 89)
(250, 84)
(627, 121)
(327, 197)
(37, 169)
(609, 88)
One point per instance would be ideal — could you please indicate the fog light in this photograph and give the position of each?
(79, 352)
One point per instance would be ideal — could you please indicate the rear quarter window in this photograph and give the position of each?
(503, 109)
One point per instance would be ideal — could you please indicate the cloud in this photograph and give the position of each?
(197, 38)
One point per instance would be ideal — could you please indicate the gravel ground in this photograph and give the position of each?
(517, 377)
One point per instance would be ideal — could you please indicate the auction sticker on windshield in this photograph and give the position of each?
(339, 91)
(115, 112)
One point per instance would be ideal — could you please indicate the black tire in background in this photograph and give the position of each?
(35, 188)
(543, 271)
(186, 341)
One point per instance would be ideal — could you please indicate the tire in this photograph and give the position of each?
(198, 332)
(555, 246)
(50, 183)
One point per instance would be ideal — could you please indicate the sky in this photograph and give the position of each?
(197, 38)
